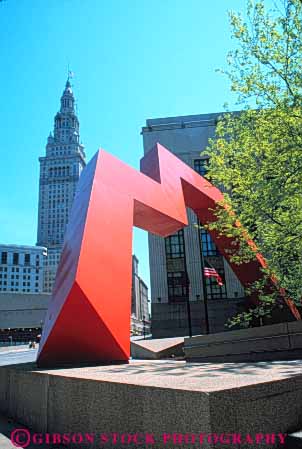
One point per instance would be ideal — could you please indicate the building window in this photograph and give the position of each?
(27, 259)
(4, 257)
(175, 245)
(214, 291)
(201, 166)
(208, 246)
(15, 258)
(178, 286)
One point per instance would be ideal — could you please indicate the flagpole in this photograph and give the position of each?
(204, 286)
(188, 291)
(189, 313)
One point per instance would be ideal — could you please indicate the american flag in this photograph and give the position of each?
(210, 271)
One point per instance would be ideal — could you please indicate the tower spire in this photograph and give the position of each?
(70, 74)
(67, 99)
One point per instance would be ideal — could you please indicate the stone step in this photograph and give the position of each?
(159, 348)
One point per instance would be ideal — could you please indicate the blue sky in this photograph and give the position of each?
(132, 59)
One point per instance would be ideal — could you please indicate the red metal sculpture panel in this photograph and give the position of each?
(88, 319)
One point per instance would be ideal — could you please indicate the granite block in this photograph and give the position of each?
(28, 392)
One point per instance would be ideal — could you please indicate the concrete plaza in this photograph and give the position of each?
(158, 397)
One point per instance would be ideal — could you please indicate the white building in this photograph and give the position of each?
(60, 170)
(21, 268)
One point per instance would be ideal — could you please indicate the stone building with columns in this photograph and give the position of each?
(176, 261)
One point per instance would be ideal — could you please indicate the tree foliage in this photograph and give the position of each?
(257, 153)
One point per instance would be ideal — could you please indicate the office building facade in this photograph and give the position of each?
(140, 319)
(21, 268)
(60, 170)
(176, 262)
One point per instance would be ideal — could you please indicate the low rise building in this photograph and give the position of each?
(22, 316)
(21, 268)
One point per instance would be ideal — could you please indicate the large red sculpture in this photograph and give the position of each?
(88, 319)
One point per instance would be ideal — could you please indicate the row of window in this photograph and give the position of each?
(178, 287)
(67, 103)
(57, 164)
(175, 245)
(59, 171)
(27, 290)
(59, 153)
(55, 239)
(16, 258)
(17, 270)
(16, 276)
(64, 148)
(178, 281)
(17, 283)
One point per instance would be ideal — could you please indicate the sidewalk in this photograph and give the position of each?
(13, 348)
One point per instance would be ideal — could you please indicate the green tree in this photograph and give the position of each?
(257, 153)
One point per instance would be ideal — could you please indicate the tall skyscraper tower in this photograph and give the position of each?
(60, 170)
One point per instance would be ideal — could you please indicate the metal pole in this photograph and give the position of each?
(188, 291)
(204, 287)
(189, 315)
(144, 329)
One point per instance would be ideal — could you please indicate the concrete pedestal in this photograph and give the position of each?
(157, 398)
(281, 341)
